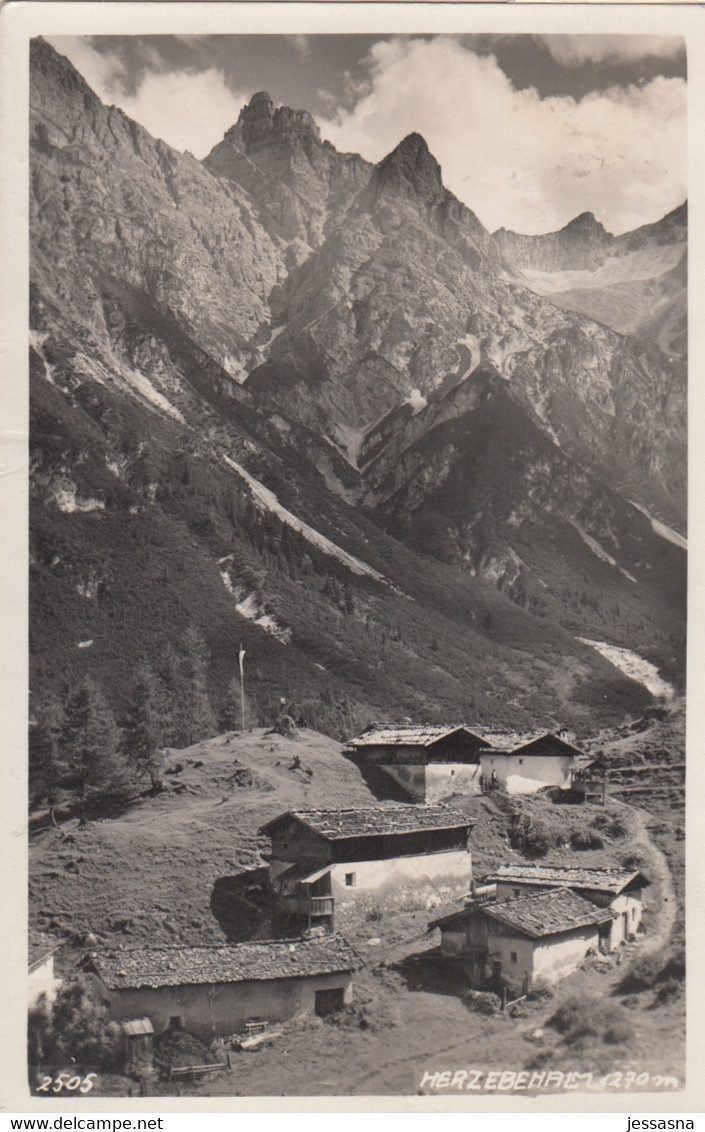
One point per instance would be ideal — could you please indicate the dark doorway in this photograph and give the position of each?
(329, 1001)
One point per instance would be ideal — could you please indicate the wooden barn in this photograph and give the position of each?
(523, 764)
(591, 779)
(429, 763)
(213, 991)
(512, 943)
(620, 890)
(328, 862)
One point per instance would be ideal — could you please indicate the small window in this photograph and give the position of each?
(176, 1022)
(513, 956)
(452, 773)
(491, 762)
(634, 913)
(521, 762)
(350, 880)
(517, 892)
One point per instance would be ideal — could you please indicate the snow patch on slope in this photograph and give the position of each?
(661, 529)
(235, 369)
(37, 340)
(599, 551)
(348, 441)
(417, 401)
(267, 500)
(64, 495)
(471, 343)
(647, 263)
(249, 605)
(126, 377)
(633, 666)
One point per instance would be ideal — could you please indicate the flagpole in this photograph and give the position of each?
(241, 657)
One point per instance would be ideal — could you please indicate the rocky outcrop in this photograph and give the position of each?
(582, 244)
(301, 183)
(109, 202)
(634, 283)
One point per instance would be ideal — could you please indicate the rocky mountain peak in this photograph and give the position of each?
(277, 155)
(410, 170)
(586, 227)
(262, 124)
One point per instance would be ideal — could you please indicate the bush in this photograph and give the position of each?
(74, 1030)
(669, 991)
(647, 971)
(541, 991)
(533, 837)
(482, 1002)
(634, 861)
(577, 1019)
(611, 826)
(619, 1033)
(585, 839)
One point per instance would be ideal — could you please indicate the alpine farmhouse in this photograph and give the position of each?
(217, 991)
(620, 890)
(328, 862)
(512, 943)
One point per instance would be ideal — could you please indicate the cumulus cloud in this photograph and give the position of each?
(575, 50)
(516, 159)
(102, 71)
(188, 109)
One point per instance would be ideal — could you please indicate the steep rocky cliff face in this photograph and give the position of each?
(635, 283)
(301, 183)
(280, 392)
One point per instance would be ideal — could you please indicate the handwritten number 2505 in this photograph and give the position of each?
(65, 1081)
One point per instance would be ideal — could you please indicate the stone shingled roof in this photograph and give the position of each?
(503, 742)
(548, 913)
(131, 968)
(407, 736)
(597, 880)
(509, 743)
(541, 914)
(335, 825)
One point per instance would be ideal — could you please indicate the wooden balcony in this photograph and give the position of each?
(305, 906)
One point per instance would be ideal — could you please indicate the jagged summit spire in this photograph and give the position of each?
(260, 122)
(584, 222)
(413, 142)
(261, 97)
(260, 108)
(411, 170)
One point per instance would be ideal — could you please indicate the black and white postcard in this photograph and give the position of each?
(346, 394)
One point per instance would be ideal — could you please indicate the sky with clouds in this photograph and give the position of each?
(530, 130)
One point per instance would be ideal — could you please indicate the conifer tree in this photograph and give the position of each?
(169, 689)
(44, 753)
(144, 726)
(194, 710)
(93, 765)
